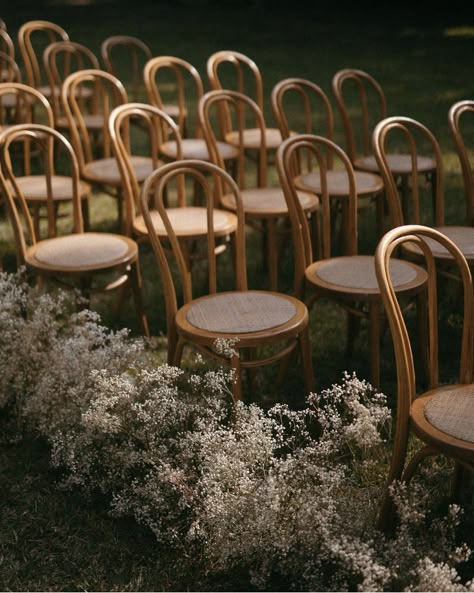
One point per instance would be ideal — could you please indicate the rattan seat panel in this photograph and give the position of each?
(34, 187)
(107, 171)
(196, 148)
(252, 138)
(190, 221)
(338, 183)
(359, 272)
(269, 199)
(452, 412)
(398, 163)
(462, 236)
(81, 250)
(240, 312)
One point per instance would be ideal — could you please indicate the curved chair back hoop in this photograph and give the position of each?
(45, 138)
(203, 173)
(365, 85)
(31, 62)
(9, 69)
(316, 147)
(109, 92)
(6, 43)
(403, 353)
(74, 56)
(3, 25)
(240, 64)
(456, 111)
(240, 105)
(307, 93)
(135, 48)
(158, 125)
(409, 128)
(181, 71)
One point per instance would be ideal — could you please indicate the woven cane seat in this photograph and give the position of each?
(357, 272)
(462, 236)
(398, 163)
(269, 200)
(107, 170)
(240, 312)
(34, 187)
(188, 222)
(452, 412)
(83, 250)
(338, 183)
(196, 148)
(252, 138)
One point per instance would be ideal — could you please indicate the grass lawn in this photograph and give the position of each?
(50, 540)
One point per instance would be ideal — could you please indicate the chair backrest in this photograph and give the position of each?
(3, 24)
(317, 147)
(170, 77)
(59, 60)
(6, 44)
(362, 104)
(228, 69)
(125, 56)
(108, 92)
(33, 37)
(213, 181)
(158, 127)
(465, 151)
(299, 105)
(240, 109)
(406, 379)
(51, 143)
(415, 139)
(9, 69)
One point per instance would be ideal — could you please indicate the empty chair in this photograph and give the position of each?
(264, 206)
(442, 417)
(27, 104)
(33, 37)
(250, 318)
(188, 88)
(362, 104)
(125, 56)
(100, 170)
(424, 209)
(348, 279)
(301, 106)
(83, 261)
(10, 72)
(235, 71)
(464, 110)
(60, 59)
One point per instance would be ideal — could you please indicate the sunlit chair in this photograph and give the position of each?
(80, 260)
(233, 70)
(190, 223)
(459, 131)
(170, 72)
(28, 105)
(100, 170)
(264, 206)
(60, 59)
(253, 318)
(423, 210)
(301, 106)
(362, 103)
(348, 279)
(33, 38)
(443, 416)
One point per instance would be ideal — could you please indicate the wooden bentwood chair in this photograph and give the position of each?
(416, 134)
(443, 416)
(464, 110)
(74, 260)
(254, 318)
(348, 279)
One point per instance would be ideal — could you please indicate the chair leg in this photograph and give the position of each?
(272, 258)
(307, 360)
(136, 283)
(175, 352)
(374, 343)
